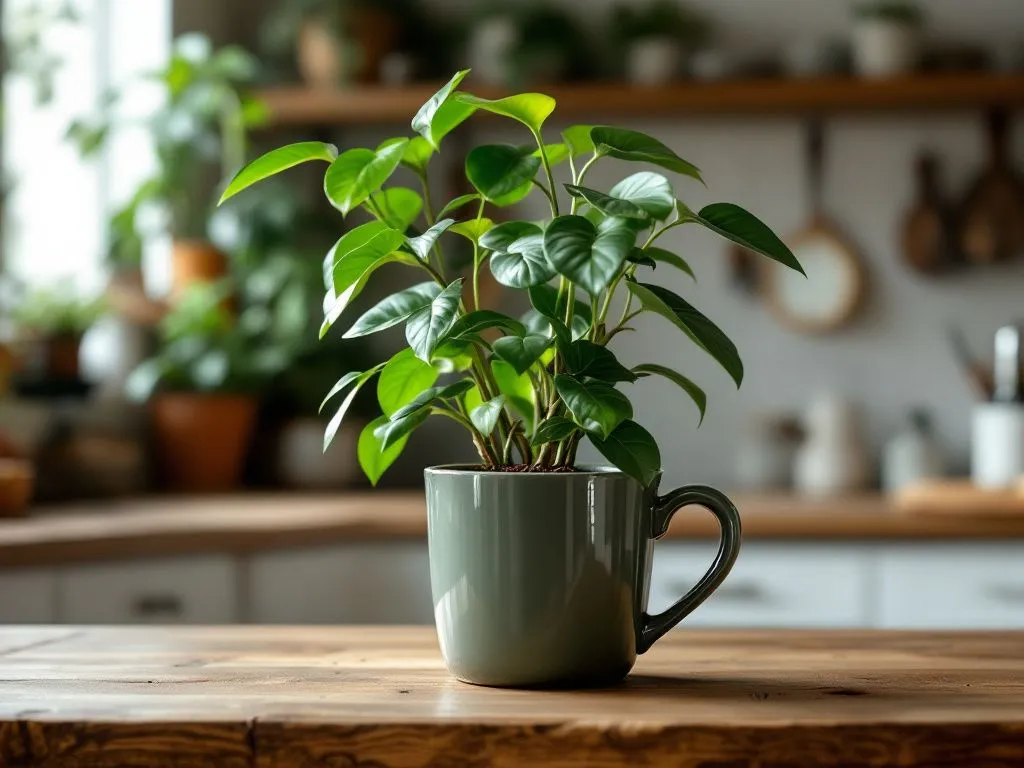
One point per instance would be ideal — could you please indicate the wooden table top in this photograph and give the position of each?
(171, 526)
(380, 698)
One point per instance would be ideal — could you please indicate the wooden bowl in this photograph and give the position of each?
(17, 481)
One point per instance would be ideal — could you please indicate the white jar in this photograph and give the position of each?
(302, 462)
(833, 460)
(885, 48)
(911, 456)
(997, 444)
(654, 61)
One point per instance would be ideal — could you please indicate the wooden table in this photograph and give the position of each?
(380, 698)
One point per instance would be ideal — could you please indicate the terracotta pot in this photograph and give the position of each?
(202, 440)
(17, 480)
(60, 356)
(195, 262)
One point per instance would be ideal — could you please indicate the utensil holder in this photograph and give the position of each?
(997, 444)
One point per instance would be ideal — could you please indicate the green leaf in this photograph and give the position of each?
(521, 351)
(557, 153)
(734, 223)
(530, 109)
(471, 324)
(373, 457)
(594, 405)
(433, 395)
(554, 429)
(358, 173)
(584, 358)
(485, 416)
(276, 161)
(517, 389)
(395, 431)
(606, 204)
(421, 245)
(399, 206)
(417, 154)
(633, 450)
(459, 202)
(395, 309)
(661, 256)
(403, 378)
(577, 138)
(544, 299)
(473, 229)
(427, 327)
(357, 382)
(589, 256)
(700, 329)
(453, 356)
(639, 256)
(523, 264)
(695, 392)
(503, 235)
(650, 192)
(499, 171)
(441, 114)
(639, 147)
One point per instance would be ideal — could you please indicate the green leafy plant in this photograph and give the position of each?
(200, 132)
(54, 312)
(890, 10)
(203, 348)
(527, 390)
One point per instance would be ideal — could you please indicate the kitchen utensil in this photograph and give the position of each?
(978, 374)
(830, 295)
(1006, 371)
(993, 223)
(929, 233)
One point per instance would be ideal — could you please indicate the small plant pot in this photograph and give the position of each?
(202, 440)
(885, 48)
(654, 61)
(195, 262)
(59, 357)
(541, 579)
(303, 463)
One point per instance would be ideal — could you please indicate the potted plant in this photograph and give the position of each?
(886, 38)
(203, 387)
(200, 135)
(53, 322)
(539, 566)
(655, 39)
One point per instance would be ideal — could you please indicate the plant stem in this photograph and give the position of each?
(586, 167)
(428, 206)
(552, 197)
(478, 439)
(477, 260)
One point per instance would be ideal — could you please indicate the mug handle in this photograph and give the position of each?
(652, 628)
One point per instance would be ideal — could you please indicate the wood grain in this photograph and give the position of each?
(241, 524)
(951, 497)
(291, 106)
(379, 697)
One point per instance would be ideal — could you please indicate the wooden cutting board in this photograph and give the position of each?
(959, 498)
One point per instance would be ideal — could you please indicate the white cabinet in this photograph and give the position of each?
(771, 585)
(358, 583)
(940, 586)
(28, 597)
(196, 590)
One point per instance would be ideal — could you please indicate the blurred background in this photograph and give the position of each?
(876, 137)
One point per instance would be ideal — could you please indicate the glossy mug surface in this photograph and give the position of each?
(541, 579)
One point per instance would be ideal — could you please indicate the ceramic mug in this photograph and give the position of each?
(541, 579)
(997, 444)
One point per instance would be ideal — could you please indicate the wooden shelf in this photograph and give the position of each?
(295, 106)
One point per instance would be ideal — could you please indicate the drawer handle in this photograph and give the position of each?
(737, 592)
(154, 606)
(1006, 593)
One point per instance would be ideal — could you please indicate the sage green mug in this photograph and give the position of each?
(541, 579)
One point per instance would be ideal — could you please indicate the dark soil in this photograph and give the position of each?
(530, 468)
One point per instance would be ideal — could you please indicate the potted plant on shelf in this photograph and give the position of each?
(203, 386)
(886, 38)
(539, 566)
(656, 39)
(52, 323)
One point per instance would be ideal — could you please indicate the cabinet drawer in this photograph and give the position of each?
(770, 585)
(200, 590)
(952, 587)
(28, 597)
(365, 583)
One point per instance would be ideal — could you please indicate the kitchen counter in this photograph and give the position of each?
(171, 526)
(362, 696)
